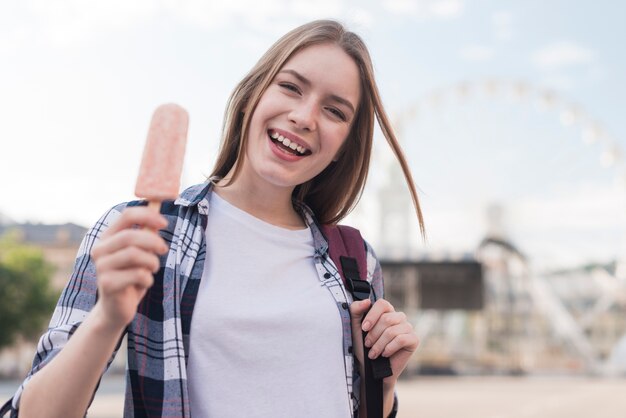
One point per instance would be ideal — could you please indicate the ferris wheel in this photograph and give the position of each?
(569, 114)
(581, 135)
(608, 158)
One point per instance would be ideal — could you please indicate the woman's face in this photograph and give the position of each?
(303, 118)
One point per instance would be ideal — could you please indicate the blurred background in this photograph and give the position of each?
(509, 113)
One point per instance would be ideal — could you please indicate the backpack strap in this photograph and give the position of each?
(346, 243)
(347, 250)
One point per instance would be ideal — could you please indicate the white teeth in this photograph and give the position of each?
(287, 142)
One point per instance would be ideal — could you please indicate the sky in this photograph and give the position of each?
(507, 103)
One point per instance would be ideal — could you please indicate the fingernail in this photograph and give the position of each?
(372, 354)
(368, 342)
(366, 325)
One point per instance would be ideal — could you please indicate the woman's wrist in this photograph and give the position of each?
(102, 324)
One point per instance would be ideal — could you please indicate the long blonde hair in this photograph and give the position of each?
(334, 192)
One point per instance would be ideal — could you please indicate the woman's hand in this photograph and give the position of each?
(389, 335)
(125, 259)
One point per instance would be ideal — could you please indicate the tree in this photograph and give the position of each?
(26, 296)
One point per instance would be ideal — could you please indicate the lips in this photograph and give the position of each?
(290, 145)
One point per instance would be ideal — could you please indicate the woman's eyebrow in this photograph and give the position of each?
(307, 82)
(297, 75)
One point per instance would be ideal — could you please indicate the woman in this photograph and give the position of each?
(234, 308)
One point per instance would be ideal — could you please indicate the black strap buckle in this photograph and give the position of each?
(360, 289)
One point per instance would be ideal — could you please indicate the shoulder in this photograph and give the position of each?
(189, 200)
(371, 254)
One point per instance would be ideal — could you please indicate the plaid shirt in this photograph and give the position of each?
(158, 337)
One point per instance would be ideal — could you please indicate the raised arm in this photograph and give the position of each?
(124, 258)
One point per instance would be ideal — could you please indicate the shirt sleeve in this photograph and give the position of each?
(76, 301)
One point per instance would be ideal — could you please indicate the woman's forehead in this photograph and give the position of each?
(326, 66)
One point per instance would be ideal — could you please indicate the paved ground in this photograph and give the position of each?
(466, 397)
(505, 397)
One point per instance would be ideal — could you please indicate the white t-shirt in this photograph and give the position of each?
(266, 336)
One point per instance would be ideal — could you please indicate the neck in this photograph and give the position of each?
(270, 204)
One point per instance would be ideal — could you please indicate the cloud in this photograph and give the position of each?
(315, 9)
(562, 54)
(558, 82)
(12, 39)
(74, 22)
(476, 53)
(360, 18)
(71, 22)
(217, 14)
(446, 8)
(503, 25)
(424, 9)
(571, 226)
(584, 208)
(400, 6)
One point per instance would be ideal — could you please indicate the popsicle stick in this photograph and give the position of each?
(154, 205)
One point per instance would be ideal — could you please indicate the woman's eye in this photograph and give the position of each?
(337, 113)
(290, 87)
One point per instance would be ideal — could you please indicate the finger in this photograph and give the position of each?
(358, 309)
(407, 342)
(380, 307)
(130, 257)
(379, 345)
(386, 320)
(144, 239)
(137, 215)
(117, 281)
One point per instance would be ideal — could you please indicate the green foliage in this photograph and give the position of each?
(26, 296)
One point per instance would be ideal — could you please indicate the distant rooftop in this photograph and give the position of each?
(43, 234)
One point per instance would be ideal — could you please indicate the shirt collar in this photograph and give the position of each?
(319, 240)
(199, 195)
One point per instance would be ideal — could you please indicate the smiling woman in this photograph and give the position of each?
(333, 193)
(307, 109)
(238, 286)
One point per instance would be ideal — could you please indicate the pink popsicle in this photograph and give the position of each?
(163, 154)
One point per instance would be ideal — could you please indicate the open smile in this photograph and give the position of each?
(288, 145)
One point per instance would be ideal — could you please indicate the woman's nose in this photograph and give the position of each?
(304, 115)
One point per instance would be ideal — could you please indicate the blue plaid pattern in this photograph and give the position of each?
(156, 377)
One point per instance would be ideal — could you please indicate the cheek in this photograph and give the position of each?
(269, 104)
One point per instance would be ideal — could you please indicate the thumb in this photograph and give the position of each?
(358, 310)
